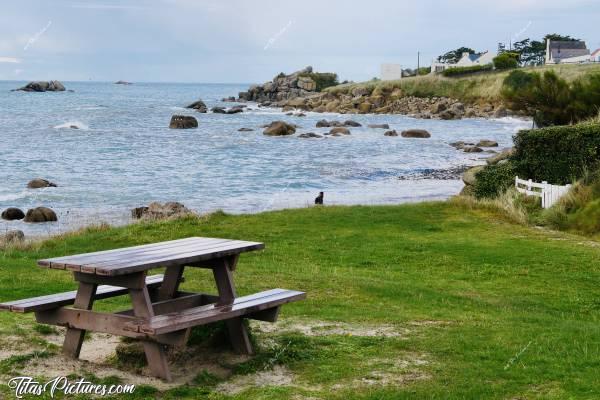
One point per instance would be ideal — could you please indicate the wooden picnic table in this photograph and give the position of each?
(161, 314)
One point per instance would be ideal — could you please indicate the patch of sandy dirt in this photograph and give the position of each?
(278, 376)
(324, 328)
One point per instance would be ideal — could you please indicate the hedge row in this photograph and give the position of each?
(559, 154)
(458, 71)
(493, 180)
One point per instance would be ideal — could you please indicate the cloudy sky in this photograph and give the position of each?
(250, 41)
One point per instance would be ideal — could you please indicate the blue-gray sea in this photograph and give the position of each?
(124, 155)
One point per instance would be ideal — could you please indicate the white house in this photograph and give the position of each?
(595, 56)
(467, 60)
(391, 72)
(567, 52)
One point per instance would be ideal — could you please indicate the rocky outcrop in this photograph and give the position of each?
(472, 149)
(43, 86)
(13, 214)
(40, 214)
(500, 157)
(384, 100)
(416, 133)
(279, 128)
(199, 106)
(39, 183)
(122, 83)
(283, 87)
(469, 175)
(183, 122)
(157, 210)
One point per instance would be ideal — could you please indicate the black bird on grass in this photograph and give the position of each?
(319, 199)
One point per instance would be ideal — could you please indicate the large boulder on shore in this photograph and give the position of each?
(43, 86)
(469, 175)
(157, 210)
(13, 214)
(279, 128)
(416, 133)
(199, 106)
(487, 143)
(339, 130)
(39, 183)
(40, 214)
(183, 122)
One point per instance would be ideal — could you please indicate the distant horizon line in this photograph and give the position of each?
(130, 82)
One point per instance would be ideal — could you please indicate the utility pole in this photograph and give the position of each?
(418, 62)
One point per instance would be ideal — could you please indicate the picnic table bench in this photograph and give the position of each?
(161, 314)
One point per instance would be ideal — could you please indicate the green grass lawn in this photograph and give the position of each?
(488, 309)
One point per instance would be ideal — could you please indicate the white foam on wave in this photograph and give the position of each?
(14, 196)
(72, 125)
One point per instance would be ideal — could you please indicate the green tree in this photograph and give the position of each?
(453, 56)
(506, 60)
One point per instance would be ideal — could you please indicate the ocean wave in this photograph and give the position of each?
(14, 196)
(72, 125)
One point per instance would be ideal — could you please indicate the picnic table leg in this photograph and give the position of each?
(238, 333)
(170, 284)
(74, 337)
(155, 352)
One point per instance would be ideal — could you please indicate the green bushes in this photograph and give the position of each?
(550, 99)
(506, 61)
(493, 180)
(461, 71)
(558, 155)
(323, 79)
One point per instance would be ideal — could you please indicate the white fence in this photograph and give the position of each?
(550, 194)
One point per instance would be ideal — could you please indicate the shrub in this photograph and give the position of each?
(550, 99)
(461, 71)
(323, 79)
(506, 61)
(424, 71)
(494, 180)
(559, 154)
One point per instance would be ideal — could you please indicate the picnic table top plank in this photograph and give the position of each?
(141, 258)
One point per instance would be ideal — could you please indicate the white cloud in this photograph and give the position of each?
(12, 60)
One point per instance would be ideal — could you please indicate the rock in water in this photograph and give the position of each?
(503, 155)
(198, 106)
(279, 128)
(43, 86)
(487, 143)
(352, 123)
(160, 211)
(391, 133)
(309, 135)
(218, 110)
(183, 122)
(245, 130)
(416, 133)
(472, 149)
(39, 183)
(378, 126)
(12, 237)
(235, 110)
(13, 214)
(340, 130)
(122, 83)
(40, 214)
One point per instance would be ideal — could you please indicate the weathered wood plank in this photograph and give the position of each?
(74, 337)
(46, 263)
(214, 312)
(167, 261)
(48, 302)
(127, 255)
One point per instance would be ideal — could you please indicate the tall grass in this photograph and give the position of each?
(477, 88)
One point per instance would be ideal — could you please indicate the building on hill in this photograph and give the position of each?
(567, 52)
(595, 57)
(467, 60)
(391, 72)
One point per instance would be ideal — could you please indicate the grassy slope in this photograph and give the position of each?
(476, 88)
(499, 286)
